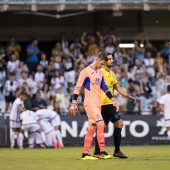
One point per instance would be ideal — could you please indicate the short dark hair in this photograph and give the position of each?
(168, 88)
(12, 74)
(102, 56)
(108, 53)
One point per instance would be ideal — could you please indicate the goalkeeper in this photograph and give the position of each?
(91, 78)
(109, 112)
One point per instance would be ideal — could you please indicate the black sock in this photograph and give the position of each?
(117, 138)
(97, 149)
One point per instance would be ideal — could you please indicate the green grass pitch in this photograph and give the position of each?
(68, 158)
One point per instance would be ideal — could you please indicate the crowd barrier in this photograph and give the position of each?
(137, 130)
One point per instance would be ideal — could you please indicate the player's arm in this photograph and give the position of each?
(81, 80)
(123, 93)
(160, 109)
(105, 89)
(21, 109)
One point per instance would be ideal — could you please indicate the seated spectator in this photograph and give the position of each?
(38, 103)
(154, 108)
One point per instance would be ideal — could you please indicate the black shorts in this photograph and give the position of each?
(10, 98)
(109, 114)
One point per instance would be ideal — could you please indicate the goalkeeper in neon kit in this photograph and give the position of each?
(91, 78)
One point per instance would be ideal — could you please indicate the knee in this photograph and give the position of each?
(119, 124)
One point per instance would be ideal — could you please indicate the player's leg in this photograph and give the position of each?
(117, 134)
(12, 137)
(31, 139)
(42, 135)
(168, 132)
(95, 119)
(89, 135)
(88, 142)
(56, 123)
(15, 127)
(21, 137)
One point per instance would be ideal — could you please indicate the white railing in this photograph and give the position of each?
(79, 1)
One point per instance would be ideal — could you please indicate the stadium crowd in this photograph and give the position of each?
(48, 81)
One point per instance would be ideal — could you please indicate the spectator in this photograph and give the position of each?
(139, 52)
(13, 64)
(32, 55)
(56, 82)
(21, 67)
(91, 57)
(25, 78)
(92, 46)
(50, 72)
(130, 58)
(60, 99)
(25, 89)
(63, 41)
(118, 57)
(39, 77)
(10, 88)
(68, 65)
(16, 48)
(110, 48)
(76, 47)
(154, 109)
(43, 62)
(57, 55)
(38, 103)
(110, 34)
(150, 65)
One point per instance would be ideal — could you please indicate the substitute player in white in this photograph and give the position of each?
(17, 108)
(29, 121)
(55, 121)
(165, 105)
(49, 132)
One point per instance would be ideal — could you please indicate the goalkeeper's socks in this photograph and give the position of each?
(168, 133)
(100, 136)
(117, 138)
(97, 149)
(88, 140)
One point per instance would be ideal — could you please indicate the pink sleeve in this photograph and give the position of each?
(80, 82)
